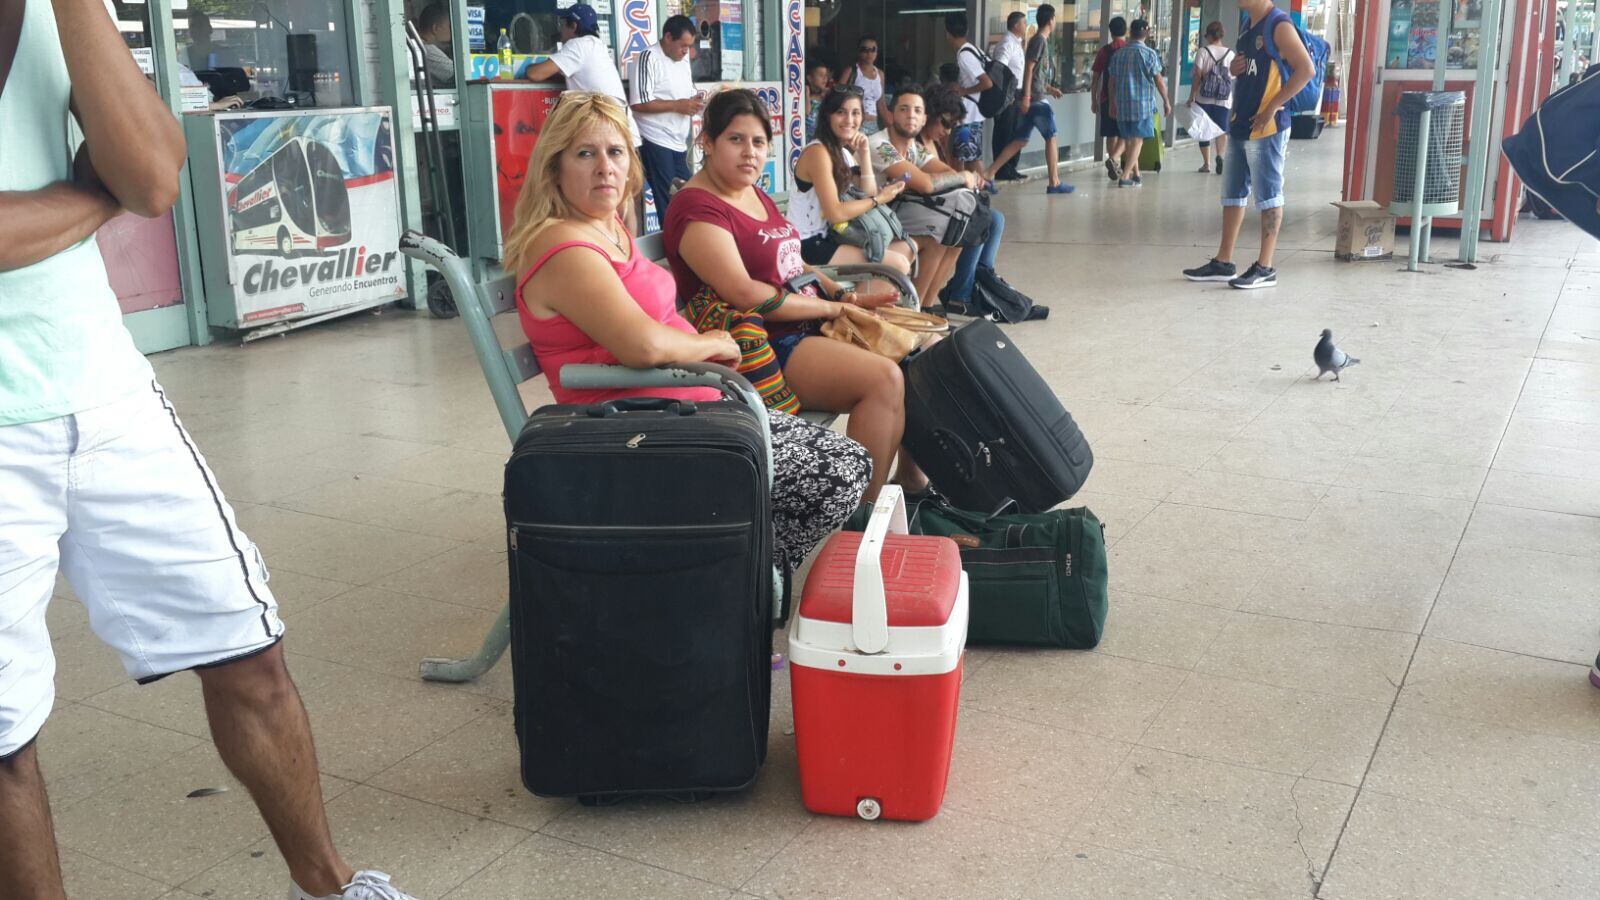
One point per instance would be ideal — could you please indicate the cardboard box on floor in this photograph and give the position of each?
(1366, 231)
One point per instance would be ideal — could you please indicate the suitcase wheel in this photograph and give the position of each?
(868, 808)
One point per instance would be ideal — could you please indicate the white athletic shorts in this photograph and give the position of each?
(120, 500)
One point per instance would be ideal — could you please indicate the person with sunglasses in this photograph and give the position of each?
(945, 111)
(866, 75)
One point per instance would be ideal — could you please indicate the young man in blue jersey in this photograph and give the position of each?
(99, 480)
(1270, 66)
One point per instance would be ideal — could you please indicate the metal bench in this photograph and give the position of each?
(506, 368)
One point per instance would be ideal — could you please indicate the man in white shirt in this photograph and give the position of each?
(662, 94)
(972, 80)
(584, 60)
(1009, 51)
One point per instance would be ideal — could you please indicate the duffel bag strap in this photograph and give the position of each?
(869, 613)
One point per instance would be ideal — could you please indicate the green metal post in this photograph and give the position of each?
(394, 88)
(1441, 46)
(1569, 46)
(1481, 145)
(1421, 226)
(1594, 33)
(163, 46)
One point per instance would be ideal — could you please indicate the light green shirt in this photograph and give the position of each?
(63, 348)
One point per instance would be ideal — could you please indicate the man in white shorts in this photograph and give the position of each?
(97, 476)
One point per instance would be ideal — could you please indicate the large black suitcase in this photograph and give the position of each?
(641, 598)
(987, 429)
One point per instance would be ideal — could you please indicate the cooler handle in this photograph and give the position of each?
(869, 613)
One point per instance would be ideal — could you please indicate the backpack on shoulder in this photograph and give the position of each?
(1309, 100)
(1216, 86)
(1003, 92)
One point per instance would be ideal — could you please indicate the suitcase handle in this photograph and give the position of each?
(592, 376)
(643, 404)
(869, 608)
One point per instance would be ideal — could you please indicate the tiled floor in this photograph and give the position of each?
(1350, 622)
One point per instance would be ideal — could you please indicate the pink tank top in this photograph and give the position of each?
(557, 342)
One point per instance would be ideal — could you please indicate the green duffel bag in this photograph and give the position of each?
(1037, 578)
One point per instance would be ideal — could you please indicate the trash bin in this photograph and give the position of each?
(1441, 186)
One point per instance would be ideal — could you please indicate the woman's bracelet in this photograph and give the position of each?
(773, 302)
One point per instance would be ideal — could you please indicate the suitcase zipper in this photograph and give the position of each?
(710, 529)
(669, 442)
(1000, 423)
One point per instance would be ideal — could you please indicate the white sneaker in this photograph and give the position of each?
(366, 885)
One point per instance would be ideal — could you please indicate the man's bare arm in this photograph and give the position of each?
(36, 225)
(135, 143)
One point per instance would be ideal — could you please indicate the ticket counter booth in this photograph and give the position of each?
(1397, 43)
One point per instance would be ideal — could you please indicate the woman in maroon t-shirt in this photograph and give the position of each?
(724, 232)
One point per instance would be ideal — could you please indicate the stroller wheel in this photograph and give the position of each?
(440, 301)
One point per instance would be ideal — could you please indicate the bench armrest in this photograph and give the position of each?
(849, 271)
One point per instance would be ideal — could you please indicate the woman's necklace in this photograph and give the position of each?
(614, 242)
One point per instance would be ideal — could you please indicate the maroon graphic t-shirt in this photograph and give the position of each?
(770, 249)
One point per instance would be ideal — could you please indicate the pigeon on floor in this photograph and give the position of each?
(1330, 358)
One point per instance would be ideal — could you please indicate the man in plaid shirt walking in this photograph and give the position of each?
(1136, 85)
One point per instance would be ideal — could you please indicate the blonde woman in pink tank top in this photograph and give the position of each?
(588, 296)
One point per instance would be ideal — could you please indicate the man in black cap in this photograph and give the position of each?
(584, 60)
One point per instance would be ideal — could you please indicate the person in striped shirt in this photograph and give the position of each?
(662, 93)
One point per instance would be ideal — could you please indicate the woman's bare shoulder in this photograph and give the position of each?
(557, 232)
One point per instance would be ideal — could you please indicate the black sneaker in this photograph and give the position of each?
(1215, 270)
(1037, 313)
(1594, 673)
(947, 307)
(1219, 165)
(1257, 276)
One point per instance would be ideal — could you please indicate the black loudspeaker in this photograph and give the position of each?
(302, 63)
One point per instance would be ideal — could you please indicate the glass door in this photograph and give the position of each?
(141, 255)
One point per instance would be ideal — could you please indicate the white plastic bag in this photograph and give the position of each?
(1201, 128)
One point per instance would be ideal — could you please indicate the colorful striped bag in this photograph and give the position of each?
(708, 312)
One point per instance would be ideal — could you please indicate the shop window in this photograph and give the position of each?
(1077, 41)
(294, 52)
(531, 24)
(1414, 27)
(730, 43)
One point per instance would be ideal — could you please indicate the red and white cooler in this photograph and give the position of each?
(875, 664)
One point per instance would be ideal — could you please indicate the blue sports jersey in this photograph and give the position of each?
(1262, 79)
